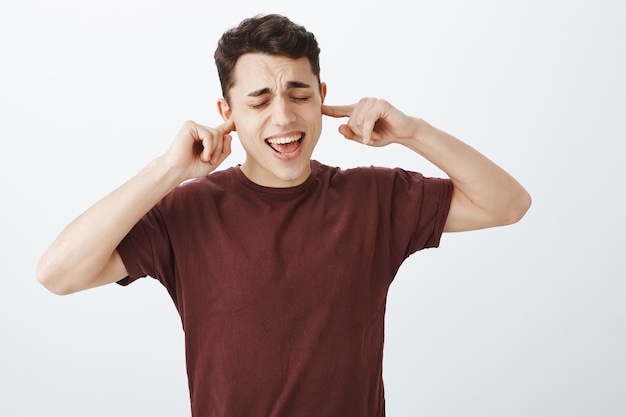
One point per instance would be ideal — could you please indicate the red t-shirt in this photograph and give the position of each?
(282, 291)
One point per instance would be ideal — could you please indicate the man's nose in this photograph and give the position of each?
(282, 113)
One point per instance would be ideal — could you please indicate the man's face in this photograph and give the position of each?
(276, 105)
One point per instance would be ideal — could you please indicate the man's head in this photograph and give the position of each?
(270, 34)
(269, 69)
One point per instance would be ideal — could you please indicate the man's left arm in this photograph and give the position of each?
(484, 194)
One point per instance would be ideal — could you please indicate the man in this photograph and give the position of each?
(280, 267)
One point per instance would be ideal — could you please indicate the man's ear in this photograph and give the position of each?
(224, 109)
(323, 91)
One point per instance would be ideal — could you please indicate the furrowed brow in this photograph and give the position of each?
(260, 92)
(290, 84)
(297, 84)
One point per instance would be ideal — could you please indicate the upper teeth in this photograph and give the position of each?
(287, 139)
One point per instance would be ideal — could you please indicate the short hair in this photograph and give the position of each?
(270, 34)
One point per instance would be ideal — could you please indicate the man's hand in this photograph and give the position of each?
(198, 150)
(373, 122)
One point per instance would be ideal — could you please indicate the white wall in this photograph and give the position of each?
(517, 321)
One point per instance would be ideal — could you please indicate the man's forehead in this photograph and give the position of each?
(258, 71)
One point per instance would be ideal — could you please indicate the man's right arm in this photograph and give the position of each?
(84, 254)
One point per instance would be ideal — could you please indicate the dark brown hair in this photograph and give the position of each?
(268, 34)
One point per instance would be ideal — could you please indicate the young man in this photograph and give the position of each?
(280, 267)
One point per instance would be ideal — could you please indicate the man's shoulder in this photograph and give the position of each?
(372, 172)
(216, 182)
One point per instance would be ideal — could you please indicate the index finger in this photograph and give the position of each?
(226, 127)
(338, 111)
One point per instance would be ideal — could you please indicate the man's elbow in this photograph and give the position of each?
(50, 279)
(517, 208)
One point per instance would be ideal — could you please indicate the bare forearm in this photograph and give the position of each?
(485, 195)
(78, 257)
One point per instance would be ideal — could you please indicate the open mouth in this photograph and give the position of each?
(285, 145)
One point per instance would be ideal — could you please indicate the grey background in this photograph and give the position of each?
(516, 321)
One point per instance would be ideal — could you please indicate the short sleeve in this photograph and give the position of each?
(419, 209)
(437, 196)
(146, 250)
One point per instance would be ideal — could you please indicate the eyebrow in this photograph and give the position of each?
(266, 90)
